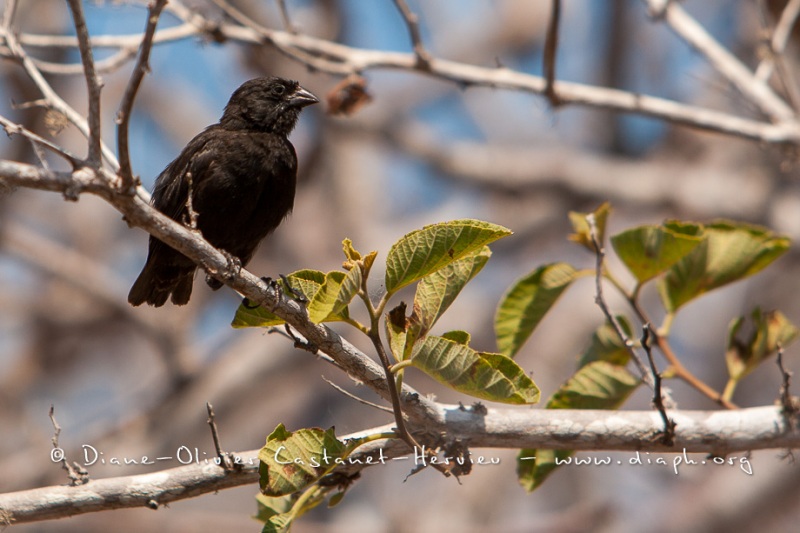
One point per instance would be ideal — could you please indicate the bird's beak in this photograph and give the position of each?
(302, 98)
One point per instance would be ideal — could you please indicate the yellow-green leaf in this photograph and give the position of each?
(487, 376)
(648, 251)
(526, 303)
(769, 331)
(598, 385)
(426, 250)
(729, 252)
(461, 337)
(436, 291)
(533, 466)
(582, 228)
(332, 298)
(607, 346)
(307, 282)
(291, 461)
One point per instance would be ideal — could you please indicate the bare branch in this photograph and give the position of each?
(287, 22)
(714, 432)
(8, 15)
(780, 38)
(338, 59)
(93, 84)
(124, 114)
(668, 434)
(412, 22)
(600, 254)
(226, 460)
(12, 128)
(52, 99)
(550, 50)
(76, 474)
(721, 59)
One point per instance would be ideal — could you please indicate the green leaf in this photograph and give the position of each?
(337, 498)
(331, 300)
(580, 224)
(648, 251)
(533, 466)
(487, 376)
(354, 259)
(607, 346)
(307, 282)
(730, 252)
(425, 251)
(526, 303)
(598, 385)
(269, 506)
(279, 523)
(436, 291)
(769, 331)
(350, 253)
(461, 337)
(291, 461)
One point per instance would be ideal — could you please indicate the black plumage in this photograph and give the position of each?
(240, 175)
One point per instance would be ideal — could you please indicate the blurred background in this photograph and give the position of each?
(133, 382)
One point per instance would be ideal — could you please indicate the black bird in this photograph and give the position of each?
(236, 180)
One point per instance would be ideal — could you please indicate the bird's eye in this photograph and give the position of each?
(278, 90)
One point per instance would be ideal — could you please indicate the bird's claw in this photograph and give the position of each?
(234, 266)
(292, 291)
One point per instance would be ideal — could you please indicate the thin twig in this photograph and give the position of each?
(263, 34)
(774, 60)
(412, 22)
(550, 50)
(93, 83)
(721, 59)
(9, 12)
(13, 128)
(391, 384)
(224, 457)
(356, 398)
(129, 183)
(678, 369)
(337, 59)
(287, 22)
(668, 434)
(790, 405)
(600, 254)
(779, 40)
(76, 474)
(51, 97)
(191, 215)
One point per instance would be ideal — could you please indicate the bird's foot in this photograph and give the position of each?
(271, 283)
(301, 343)
(289, 290)
(234, 266)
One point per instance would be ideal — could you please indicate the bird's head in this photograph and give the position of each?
(267, 104)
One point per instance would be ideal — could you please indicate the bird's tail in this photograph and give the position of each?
(156, 283)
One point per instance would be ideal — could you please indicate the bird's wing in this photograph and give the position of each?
(173, 184)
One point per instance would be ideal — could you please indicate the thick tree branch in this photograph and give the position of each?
(711, 432)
